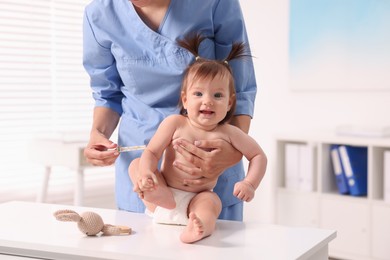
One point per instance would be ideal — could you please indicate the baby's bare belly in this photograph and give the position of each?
(176, 180)
(175, 177)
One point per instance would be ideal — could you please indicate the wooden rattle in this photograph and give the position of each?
(90, 223)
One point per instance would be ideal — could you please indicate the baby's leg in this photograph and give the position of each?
(162, 196)
(203, 212)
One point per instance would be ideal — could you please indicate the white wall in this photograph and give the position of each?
(281, 110)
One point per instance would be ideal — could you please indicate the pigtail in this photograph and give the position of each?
(192, 43)
(238, 51)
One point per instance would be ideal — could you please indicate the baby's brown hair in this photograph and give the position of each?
(208, 69)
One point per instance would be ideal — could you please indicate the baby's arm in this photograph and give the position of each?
(245, 189)
(147, 180)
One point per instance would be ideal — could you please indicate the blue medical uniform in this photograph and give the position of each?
(137, 72)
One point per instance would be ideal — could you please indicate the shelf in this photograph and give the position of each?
(361, 221)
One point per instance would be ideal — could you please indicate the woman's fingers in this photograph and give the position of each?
(192, 170)
(100, 158)
(190, 152)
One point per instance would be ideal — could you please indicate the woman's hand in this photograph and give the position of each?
(100, 151)
(208, 157)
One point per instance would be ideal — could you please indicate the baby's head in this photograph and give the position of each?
(202, 70)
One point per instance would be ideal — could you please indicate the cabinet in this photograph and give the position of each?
(362, 222)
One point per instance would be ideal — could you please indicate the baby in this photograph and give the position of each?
(207, 104)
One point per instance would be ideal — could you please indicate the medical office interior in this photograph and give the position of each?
(322, 72)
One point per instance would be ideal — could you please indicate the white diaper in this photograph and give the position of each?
(176, 216)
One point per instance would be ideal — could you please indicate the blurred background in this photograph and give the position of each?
(44, 93)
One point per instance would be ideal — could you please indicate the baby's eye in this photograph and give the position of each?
(218, 95)
(197, 93)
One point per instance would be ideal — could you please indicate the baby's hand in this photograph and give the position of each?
(147, 182)
(244, 191)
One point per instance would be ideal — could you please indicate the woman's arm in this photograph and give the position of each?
(242, 121)
(105, 82)
(98, 150)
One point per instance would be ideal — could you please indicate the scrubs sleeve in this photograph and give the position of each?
(100, 64)
(229, 27)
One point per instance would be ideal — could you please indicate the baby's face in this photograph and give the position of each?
(207, 101)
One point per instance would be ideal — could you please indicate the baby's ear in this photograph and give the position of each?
(231, 99)
(183, 97)
(67, 215)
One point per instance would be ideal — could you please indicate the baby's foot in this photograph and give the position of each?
(194, 230)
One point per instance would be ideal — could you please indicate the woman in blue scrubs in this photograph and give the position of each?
(136, 68)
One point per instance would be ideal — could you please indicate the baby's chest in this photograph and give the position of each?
(192, 135)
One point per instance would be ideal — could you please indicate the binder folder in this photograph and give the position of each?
(386, 177)
(341, 179)
(354, 161)
(292, 166)
(299, 167)
(306, 167)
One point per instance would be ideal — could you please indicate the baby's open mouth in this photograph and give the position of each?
(206, 112)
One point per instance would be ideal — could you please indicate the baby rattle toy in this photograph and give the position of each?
(90, 223)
